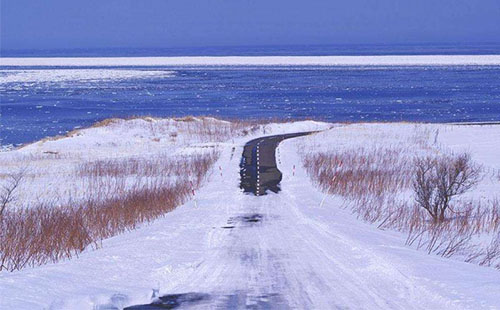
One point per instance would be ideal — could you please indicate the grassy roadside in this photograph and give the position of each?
(375, 175)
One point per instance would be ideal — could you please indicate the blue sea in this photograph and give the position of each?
(43, 101)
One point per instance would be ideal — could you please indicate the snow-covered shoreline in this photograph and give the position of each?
(384, 60)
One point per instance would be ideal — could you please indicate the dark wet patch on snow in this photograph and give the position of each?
(173, 301)
(252, 218)
(248, 219)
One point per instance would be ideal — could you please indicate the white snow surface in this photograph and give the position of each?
(385, 60)
(482, 141)
(300, 256)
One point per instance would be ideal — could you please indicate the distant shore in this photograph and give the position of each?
(389, 60)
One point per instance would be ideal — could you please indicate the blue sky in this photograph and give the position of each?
(46, 24)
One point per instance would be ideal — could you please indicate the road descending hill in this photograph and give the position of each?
(228, 249)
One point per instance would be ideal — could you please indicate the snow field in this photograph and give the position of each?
(300, 255)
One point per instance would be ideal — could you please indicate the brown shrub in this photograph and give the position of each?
(360, 172)
(40, 234)
(376, 183)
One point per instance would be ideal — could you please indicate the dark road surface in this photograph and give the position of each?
(258, 169)
(259, 173)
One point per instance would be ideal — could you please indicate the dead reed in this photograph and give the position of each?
(376, 183)
(41, 234)
(360, 172)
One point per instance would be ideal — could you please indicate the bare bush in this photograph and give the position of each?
(376, 183)
(8, 190)
(438, 181)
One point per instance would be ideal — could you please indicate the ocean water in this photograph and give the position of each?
(40, 102)
(277, 50)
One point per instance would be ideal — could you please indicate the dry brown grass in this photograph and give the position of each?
(361, 172)
(459, 233)
(104, 122)
(161, 164)
(43, 233)
(376, 183)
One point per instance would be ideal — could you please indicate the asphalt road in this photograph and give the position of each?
(258, 170)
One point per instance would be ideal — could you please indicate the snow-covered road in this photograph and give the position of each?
(283, 259)
(281, 251)
(232, 250)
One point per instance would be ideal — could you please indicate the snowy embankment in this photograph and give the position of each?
(392, 60)
(63, 194)
(372, 166)
(307, 252)
(56, 167)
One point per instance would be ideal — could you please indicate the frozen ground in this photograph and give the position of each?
(298, 255)
(395, 60)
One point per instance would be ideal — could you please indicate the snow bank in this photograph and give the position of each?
(482, 141)
(408, 60)
(370, 167)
